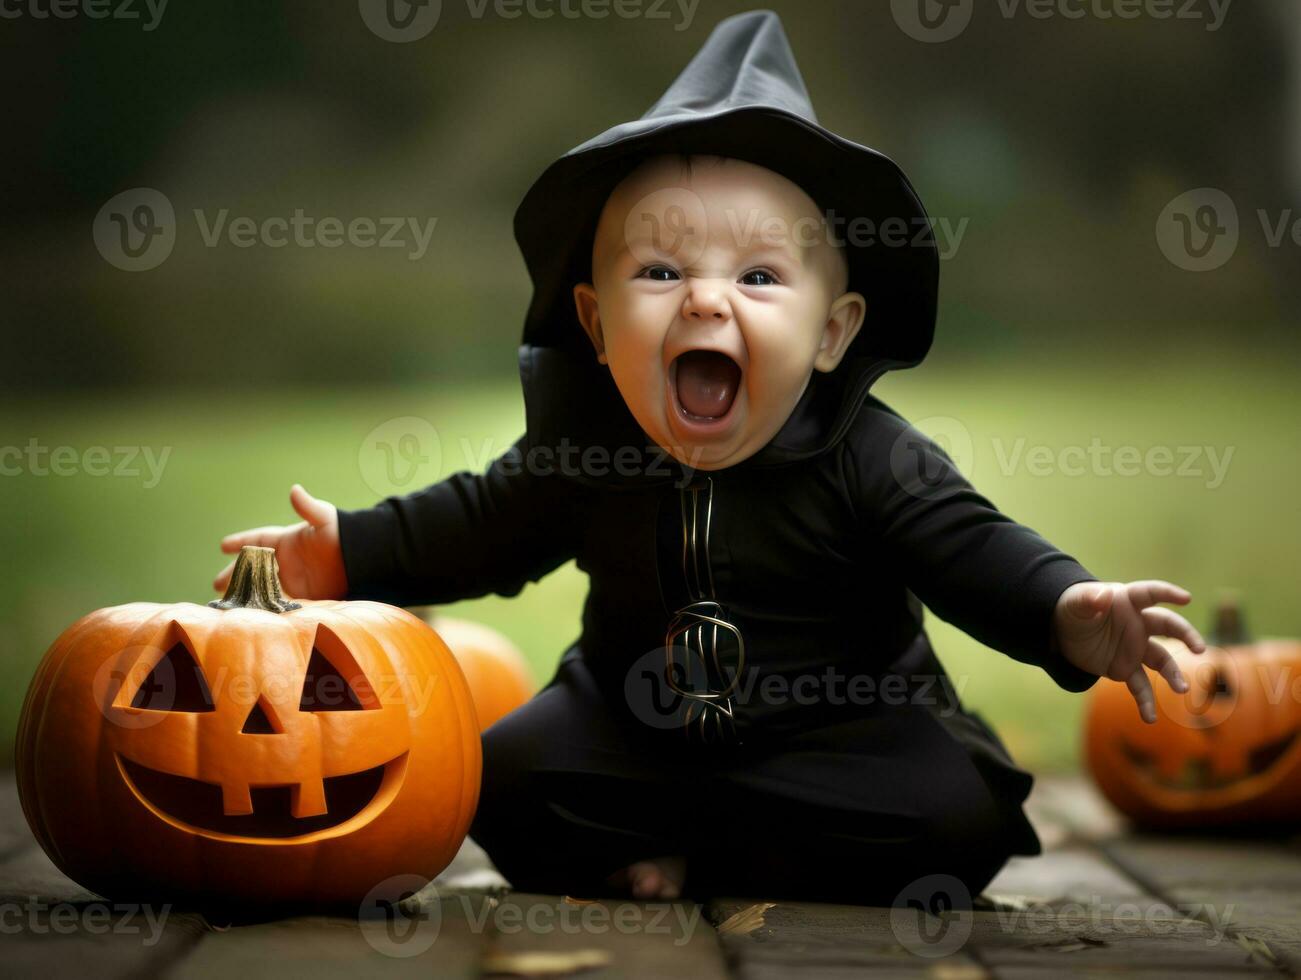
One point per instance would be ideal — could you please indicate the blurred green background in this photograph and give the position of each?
(1058, 141)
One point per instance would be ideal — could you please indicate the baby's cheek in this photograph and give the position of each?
(782, 358)
(772, 389)
(634, 354)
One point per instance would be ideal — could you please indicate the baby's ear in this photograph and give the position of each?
(843, 323)
(589, 315)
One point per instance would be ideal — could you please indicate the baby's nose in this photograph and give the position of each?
(706, 301)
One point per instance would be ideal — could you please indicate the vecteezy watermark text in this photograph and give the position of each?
(1149, 918)
(90, 9)
(38, 459)
(1099, 459)
(305, 231)
(673, 222)
(939, 465)
(41, 918)
(932, 917)
(406, 452)
(673, 919)
(136, 230)
(937, 21)
(404, 21)
(654, 683)
(410, 925)
(140, 687)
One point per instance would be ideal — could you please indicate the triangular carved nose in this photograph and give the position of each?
(259, 722)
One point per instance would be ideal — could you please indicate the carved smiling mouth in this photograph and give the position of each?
(1197, 773)
(704, 385)
(197, 806)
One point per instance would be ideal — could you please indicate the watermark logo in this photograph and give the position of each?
(1199, 230)
(924, 473)
(400, 21)
(397, 920)
(932, 21)
(1212, 694)
(133, 670)
(931, 916)
(400, 455)
(651, 686)
(670, 224)
(136, 229)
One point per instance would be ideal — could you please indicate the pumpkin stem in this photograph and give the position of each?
(1228, 628)
(255, 583)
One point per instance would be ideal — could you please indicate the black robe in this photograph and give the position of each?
(822, 564)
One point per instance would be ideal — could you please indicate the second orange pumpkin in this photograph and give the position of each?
(495, 669)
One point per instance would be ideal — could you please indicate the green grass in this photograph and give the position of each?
(75, 543)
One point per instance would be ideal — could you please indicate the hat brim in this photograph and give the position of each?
(892, 256)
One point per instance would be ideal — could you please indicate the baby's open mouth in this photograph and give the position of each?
(706, 383)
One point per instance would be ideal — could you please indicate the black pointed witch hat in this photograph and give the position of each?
(741, 96)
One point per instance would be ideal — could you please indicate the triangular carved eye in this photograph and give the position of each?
(334, 681)
(175, 684)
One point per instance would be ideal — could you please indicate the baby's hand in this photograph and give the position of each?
(1106, 628)
(311, 562)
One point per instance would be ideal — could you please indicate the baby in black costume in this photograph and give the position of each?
(753, 705)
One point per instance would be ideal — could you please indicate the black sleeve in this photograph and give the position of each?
(466, 536)
(974, 567)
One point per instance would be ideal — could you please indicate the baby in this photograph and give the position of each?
(753, 705)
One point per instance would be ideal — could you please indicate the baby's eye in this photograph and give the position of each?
(659, 273)
(759, 277)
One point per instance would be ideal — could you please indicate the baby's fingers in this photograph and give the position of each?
(1141, 688)
(1160, 660)
(1167, 622)
(223, 578)
(1151, 591)
(260, 537)
(315, 512)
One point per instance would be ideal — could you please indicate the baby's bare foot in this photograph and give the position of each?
(658, 878)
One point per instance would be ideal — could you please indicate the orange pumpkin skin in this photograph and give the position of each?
(499, 676)
(1228, 751)
(412, 750)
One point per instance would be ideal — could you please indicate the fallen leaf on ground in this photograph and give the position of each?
(1071, 945)
(544, 964)
(956, 971)
(747, 920)
(1257, 948)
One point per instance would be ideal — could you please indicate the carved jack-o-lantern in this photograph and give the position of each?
(1226, 751)
(499, 676)
(261, 751)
